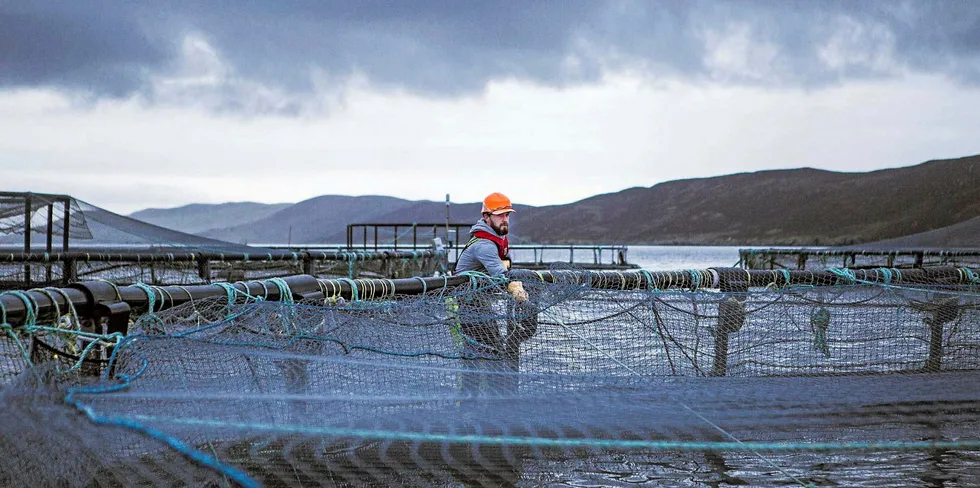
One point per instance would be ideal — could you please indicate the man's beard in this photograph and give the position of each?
(501, 229)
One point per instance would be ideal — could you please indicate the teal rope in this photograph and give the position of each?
(973, 277)
(695, 279)
(573, 442)
(151, 298)
(648, 276)
(285, 294)
(199, 457)
(786, 276)
(845, 274)
(30, 327)
(230, 292)
(30, 317)
(353, 288)
(424, 286)
(108, 339)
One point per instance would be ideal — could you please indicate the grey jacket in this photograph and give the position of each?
(482, 255)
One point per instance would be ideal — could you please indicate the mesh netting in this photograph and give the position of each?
(857, 257)
(157, 269)
(820, 385)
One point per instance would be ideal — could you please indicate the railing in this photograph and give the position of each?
(415, 236)
(193, 267)
(855, 258)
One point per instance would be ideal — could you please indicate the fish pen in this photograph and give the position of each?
(54, 240)
(20, 270)
(697, 377)
(855, 257)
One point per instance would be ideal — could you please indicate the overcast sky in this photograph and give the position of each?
(130, 105)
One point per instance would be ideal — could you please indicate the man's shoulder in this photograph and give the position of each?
(480, 244)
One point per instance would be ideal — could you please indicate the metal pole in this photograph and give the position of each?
(65, 225)
(47, 271)
(27, 237)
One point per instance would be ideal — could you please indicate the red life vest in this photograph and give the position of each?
(501, 242)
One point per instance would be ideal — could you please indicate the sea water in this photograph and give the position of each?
(670, 258)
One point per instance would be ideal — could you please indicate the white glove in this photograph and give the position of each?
(516, 290)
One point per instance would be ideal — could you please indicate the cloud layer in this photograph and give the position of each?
(269, 56)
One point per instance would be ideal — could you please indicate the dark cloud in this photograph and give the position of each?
(98, 50)
(448, 48)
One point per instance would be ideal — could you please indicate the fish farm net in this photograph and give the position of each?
(589, 382)
(36, 250)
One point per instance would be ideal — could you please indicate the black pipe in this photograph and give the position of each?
(710, 278)
(91, 297)
(188, 256)
(87, 295)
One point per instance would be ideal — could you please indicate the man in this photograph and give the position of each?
(487, 252)
(488, 249)
(492, 362)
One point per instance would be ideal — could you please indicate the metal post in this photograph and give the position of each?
(47, 271)
(308, 264)
(204, 268)
(69, 272)
(65, 225)
(27, 238)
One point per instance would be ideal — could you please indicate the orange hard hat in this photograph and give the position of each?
(496, 204)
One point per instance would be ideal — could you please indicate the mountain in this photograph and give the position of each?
(964, 234)
(317, 220)
(198, 217)
(803, 206)
(784, 207)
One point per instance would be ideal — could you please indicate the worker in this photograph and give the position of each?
(488, 252)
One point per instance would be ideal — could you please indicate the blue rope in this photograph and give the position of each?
(786, 276)
(570, 442)
(285, 294)
(648, 277)
(845, 274)
(197, 456)
(30, 317)
(353, 288)
(695, 279)
(151, 298)
(972, 276)
(424, 286)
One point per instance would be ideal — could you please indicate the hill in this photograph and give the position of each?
(784, 207)
(199, 217)
(317, 220)
(803, 206)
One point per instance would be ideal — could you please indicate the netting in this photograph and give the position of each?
(857, 257)
(584, 384)
(102, 245)
(156, 268)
